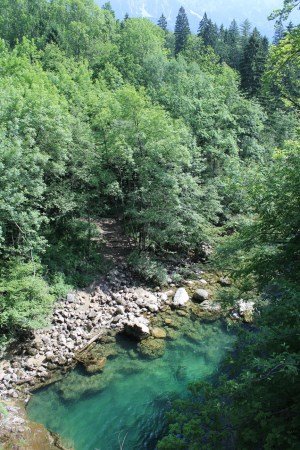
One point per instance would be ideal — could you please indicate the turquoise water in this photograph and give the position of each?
(124, 406)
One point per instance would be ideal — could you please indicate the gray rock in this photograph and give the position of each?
(92, 314)
(211, 307)
(120, 310)
(200, 295)
(153, 307)
(246, 310)
(225, 282)
(71, 298)
(137, 327)
(181, 298)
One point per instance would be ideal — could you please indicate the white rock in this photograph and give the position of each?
(180, 298)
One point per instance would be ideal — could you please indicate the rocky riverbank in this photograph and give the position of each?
(117, 303)
(17, 432)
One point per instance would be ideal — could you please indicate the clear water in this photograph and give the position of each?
(124, 406)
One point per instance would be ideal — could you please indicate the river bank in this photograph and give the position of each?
(117, 303)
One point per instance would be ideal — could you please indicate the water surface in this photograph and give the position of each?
(124, 406)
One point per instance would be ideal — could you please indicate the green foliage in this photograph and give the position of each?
(148, 268)
(75, 259)
(142, 51)
(243, 409)
(281, 80)
(3, 410)
(268, 243)
(25, 297)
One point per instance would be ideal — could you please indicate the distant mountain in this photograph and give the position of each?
(256, 11)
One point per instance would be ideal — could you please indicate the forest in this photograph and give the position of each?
(188, 140)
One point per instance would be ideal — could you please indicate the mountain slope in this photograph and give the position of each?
(256, 11)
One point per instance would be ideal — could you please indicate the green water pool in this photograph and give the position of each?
(124, 406)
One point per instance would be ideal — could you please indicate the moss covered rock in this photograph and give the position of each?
(152, 348)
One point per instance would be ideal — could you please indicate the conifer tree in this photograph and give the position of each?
(107, 7)
(162, 22)
(182, 30)
(208, 31)
(245, 29)
(233, 33)
(234, 48)
(253, 63)
(203, 24)
(290, 27)
(279, 32)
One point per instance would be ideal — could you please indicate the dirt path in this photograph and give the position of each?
(116, 245)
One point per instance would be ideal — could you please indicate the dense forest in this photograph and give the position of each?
(189, 140)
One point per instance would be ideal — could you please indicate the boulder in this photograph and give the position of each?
(211, 307)
(71, 298)
(96, 366)
(37, 343)
(200, 295)
(225, 282)
(153, 307)
(36, 361)
(152, 348)
(246, 310)
(158, 333)
(137, 327)
(180, 298)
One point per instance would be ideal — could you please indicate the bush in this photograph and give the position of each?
(147, 268)
(25, 297)
(74, 258)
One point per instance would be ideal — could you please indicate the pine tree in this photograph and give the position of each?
(233, 33)
(162, 22)
(234, 45)
(290, 27)
(203, 24)
(253, 63)
(126, 17)
(245, 30)
(210, 34)
(279, 32)
(208, 31)
(107, 7)
(182, 30)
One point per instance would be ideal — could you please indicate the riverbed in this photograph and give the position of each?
(124, 405)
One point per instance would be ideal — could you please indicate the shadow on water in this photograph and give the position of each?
(125, 405)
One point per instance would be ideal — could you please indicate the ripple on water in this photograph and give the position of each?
(126, 403)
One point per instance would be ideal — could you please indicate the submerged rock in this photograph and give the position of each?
(180, 298)
(158, 333)
(96, 365)
(152, 348)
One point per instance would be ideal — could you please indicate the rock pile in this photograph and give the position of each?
(112, 304)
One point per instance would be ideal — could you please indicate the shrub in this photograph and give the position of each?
(147, 267)
(25, 299)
